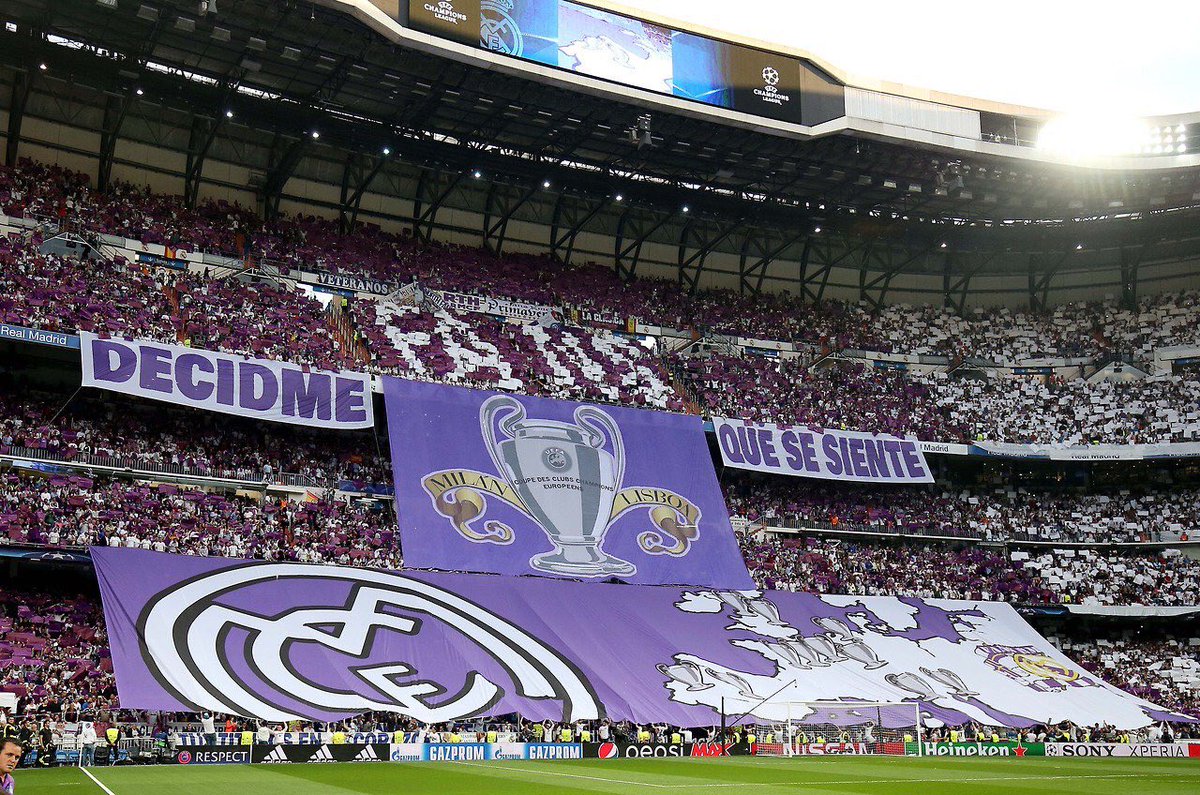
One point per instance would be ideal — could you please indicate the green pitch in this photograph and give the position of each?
(670, 777)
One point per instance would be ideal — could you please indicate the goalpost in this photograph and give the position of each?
(834, 727)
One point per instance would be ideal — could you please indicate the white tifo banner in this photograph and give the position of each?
(1105, 750)
(263, 389)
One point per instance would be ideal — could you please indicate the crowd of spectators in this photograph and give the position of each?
(218, 227)
(872, 567)
(938, 407)
(788, 391)
(990, 513)
(1161, 669)
(127, 433)
(54, 654)
(270, 319)
(78, 511)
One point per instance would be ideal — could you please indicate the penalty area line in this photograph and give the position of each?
(99, 783)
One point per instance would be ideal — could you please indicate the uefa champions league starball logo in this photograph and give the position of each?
(498, 31)
(770, 91)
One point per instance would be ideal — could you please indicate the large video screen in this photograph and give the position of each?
(610, 46)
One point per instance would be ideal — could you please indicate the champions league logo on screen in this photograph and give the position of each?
(498, 31)
(444, 10)
(770, 91)
(566, 477)
(217, 643)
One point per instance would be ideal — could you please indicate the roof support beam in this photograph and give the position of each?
(203, 134)
(501, 206)
(569, 220)
(430, 198)
(284, 159)
(629, 239)
(356, 179)
(22, 82)
(115, 111)
(691, 266)
(764, 257)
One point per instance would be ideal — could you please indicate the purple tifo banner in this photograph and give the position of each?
(260, 388)
(279, 641)
(510, 484)
(831, 455)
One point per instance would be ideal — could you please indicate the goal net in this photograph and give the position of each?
(797, 728)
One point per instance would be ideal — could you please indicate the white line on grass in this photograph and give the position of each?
(920, 780)
(844, 781)
(494, 766)
(99, 783)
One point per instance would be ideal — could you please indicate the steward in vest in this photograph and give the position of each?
(398, 736)
(112, 734)
(539, 731)
(492, 735)
(565, 735)
(995, 737)
(339, 738)
(247, 738)
(585, 736)
(676, 738)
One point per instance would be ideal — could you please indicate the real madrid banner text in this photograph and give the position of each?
(279, 641)
(260, 388)
(510, 484)
(832, 455)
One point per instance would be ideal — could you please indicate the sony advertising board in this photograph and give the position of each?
(1109, 750)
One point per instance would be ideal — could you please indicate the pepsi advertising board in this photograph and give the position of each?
(610, 46)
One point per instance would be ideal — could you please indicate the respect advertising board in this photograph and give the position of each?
(211, 755)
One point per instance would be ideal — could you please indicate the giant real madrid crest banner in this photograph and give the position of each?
(510, 484)
(277, 641)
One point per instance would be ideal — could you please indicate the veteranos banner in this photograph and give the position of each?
(510, 484)
(259, 388)
(279, 641)
(831, 455)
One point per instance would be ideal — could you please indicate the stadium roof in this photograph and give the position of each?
(158, 73)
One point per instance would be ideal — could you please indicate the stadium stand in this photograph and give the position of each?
(131, 434)
(78, 511)
(999, 513)
(1002, 335)
(869, 567)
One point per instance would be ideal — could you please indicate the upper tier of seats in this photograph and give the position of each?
(1087, 329)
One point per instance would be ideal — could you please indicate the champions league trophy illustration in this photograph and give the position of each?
(848, 644)
(958, 688)
(565, 478)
